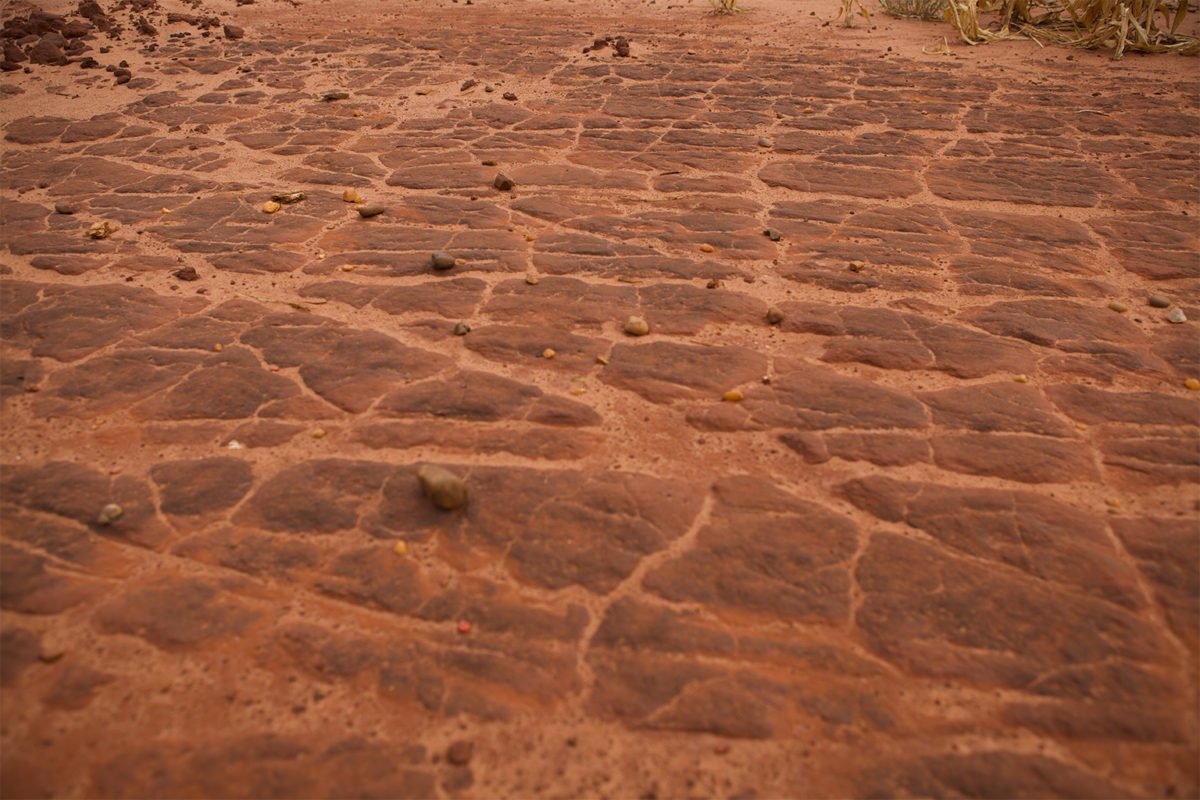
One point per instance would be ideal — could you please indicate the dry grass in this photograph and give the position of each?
(846, 14)
(1148, 26)
(726, 7)
(915, 9)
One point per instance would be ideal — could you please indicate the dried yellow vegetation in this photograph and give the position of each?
(1148, 26)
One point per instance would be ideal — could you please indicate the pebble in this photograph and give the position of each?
(765, 142)
(621, 47)
(1155, 300)
(488, 163)
(707, 248)
(489, 88)
(459, 754)
(442, 260)
(857, 266)
(503, 182)
(270, 207)
(1118, 306)
(549, 353)
(218, 347)
(636, 326)
(372, 210)
(732, 396)
(1176, 316)
(187, 274)
(469, 83)
(319, 433)
(102, 230)
(464, 627)
(532, 280)
(64, 207)
(601, 360)
(774, 315)
(461, 329)
(287, 198)
(1021, 378)
(423, 92)
(772, 234)
(1192, 384)
(109, 514)
(234, 32)
(400, 548)
(713, 283)
(351, 196)
(446, 490)
(509, 96)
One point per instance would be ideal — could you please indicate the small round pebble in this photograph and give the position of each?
(464, 627)
(442, 260)
(774, 315)
(503, 182)
(532, 280)
(462, 329)
(1118, 306)
(445, 490)
(1159, 301)
(64, 207)
(1192, 384)
(351, 196)
(857, 266)
(1176, 316)
(319, 433)
(636, 326)
(549, 353)
(400, 548)
(372, 210)
(109, 514)
(270, 207)
(707, 248)
(732, 396)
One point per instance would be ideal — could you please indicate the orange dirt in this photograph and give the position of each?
(932, 533)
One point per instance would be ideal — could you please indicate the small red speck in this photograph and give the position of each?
(464, 626)
(721, 749)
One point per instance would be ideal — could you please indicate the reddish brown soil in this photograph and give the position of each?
(945, 545)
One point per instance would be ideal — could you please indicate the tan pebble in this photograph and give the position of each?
(732, 396)
(446, 490)
(1081, 426)
(1176, 316)
(1118, 306)
(636, 326)
(1021, 378)
(270, 207)
(548, 353)
(346, 268)
(857, 266)
(578, 390)
(774, 315)
(1192, 383)
(808, 110)
(458, 262)
(532, 280)
(423, 91)
(351, 196)
(601, 360)
(1112, 502)
(218, 347)
(103, 230)
(707, 248)
(319, 433)
(529, 237)
(400, 548)
(109, 514)
(164, 211)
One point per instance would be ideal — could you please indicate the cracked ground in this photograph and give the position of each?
(898, 500)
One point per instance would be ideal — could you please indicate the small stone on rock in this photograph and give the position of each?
(1118, 306)
(549, 353)
(772, 234)
(102, 230)
(109, 514)
(442, 260)
(372, 210)
(732, 396)
(270, 207)
(1159, 301)
(532, 280)
(329, 97)
(503, 182)
(63, 207)
(1192, 384)
(319, 433)
(1176, 316)
(400, 548)
(774, 315)
(509, 96)
(187, 274)
(636, 326)
(765, 142)
(446, 490)
(287, 198)
(234, 32)
(351, 196)
(462, 329)
(857, 266)
(469, 83)
(706, 248)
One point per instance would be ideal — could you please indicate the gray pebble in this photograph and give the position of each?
(442, 260)
(1177, 316)
(109, 514)
(371, 210)
(1159, 301)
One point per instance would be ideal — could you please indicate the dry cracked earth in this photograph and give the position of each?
(944, 545)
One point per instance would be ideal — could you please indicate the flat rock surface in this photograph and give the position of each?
(933, 533)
